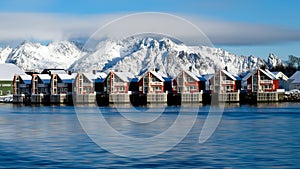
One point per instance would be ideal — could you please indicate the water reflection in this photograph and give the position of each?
(259, 136)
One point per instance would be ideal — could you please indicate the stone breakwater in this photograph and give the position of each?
(6, 99)
(293, 95)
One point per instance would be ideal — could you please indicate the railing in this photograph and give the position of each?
(266, 81)
(62, 85)
(156, 83)
(87, 84)
(119, 84)
(227, 82)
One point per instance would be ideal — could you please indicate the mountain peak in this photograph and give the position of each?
(274, 61)
(134, 54)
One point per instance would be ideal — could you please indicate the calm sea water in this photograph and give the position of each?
(259, 136)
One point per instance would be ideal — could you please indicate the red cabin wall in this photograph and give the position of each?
(276, 84)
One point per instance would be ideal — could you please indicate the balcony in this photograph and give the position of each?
(156, 83)
(119, 84)
(87, 84)
(62, 85)
(266, 81)
(227, 82)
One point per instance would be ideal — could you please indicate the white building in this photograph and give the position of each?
(7, 73)
(294, 81)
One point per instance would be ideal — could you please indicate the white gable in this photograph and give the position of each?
(125, 76)
(281, 75)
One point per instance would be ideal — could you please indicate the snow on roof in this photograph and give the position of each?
(248, 75)
(74, 75)
(192, 75)
(66, 78)
(268, 73)
(57, 71)
(271, 74)
(100, 77)
(8, 71)
(237, 77)
(125, 76)
(207, 77)
(26, 78)
(276, 73)
(295, 77)
(45, 78)
(90, 76)
(158, 75)
(280, 75)
(229, 75)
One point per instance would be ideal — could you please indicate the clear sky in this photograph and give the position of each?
(244, 27)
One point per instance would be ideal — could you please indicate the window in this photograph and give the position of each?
(120, 88)
(156, 88)
(190, 88)
(180, 80)
(117, 79)
(155, 79)
(146, 89)
(8, 92)
(189, 79)
(229, 88)
(1, 93)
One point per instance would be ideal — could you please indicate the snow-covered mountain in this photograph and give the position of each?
(274, 61)
(135, 54)
(34, 56)
(4, 52)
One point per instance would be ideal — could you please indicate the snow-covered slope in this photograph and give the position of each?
(4, 52)
(135, 54)
(34, 56)
(274, 61)
(138, 54)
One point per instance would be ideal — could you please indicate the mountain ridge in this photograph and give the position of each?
(134, 54)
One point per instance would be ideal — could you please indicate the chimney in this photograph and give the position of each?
(94, 72)
(190, 68)
(226, 68)
(156, 69)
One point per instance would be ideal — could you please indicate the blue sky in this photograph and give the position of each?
(259, 16)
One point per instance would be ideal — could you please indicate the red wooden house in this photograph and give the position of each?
(22, 84)
(118, 86)
(189, 85)
(186, 82)
(260, 80)
(119, 82)
(226, 86)
(155, 86)
(84, 84)
(22, 88)
(151, 82)
(225, 82)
